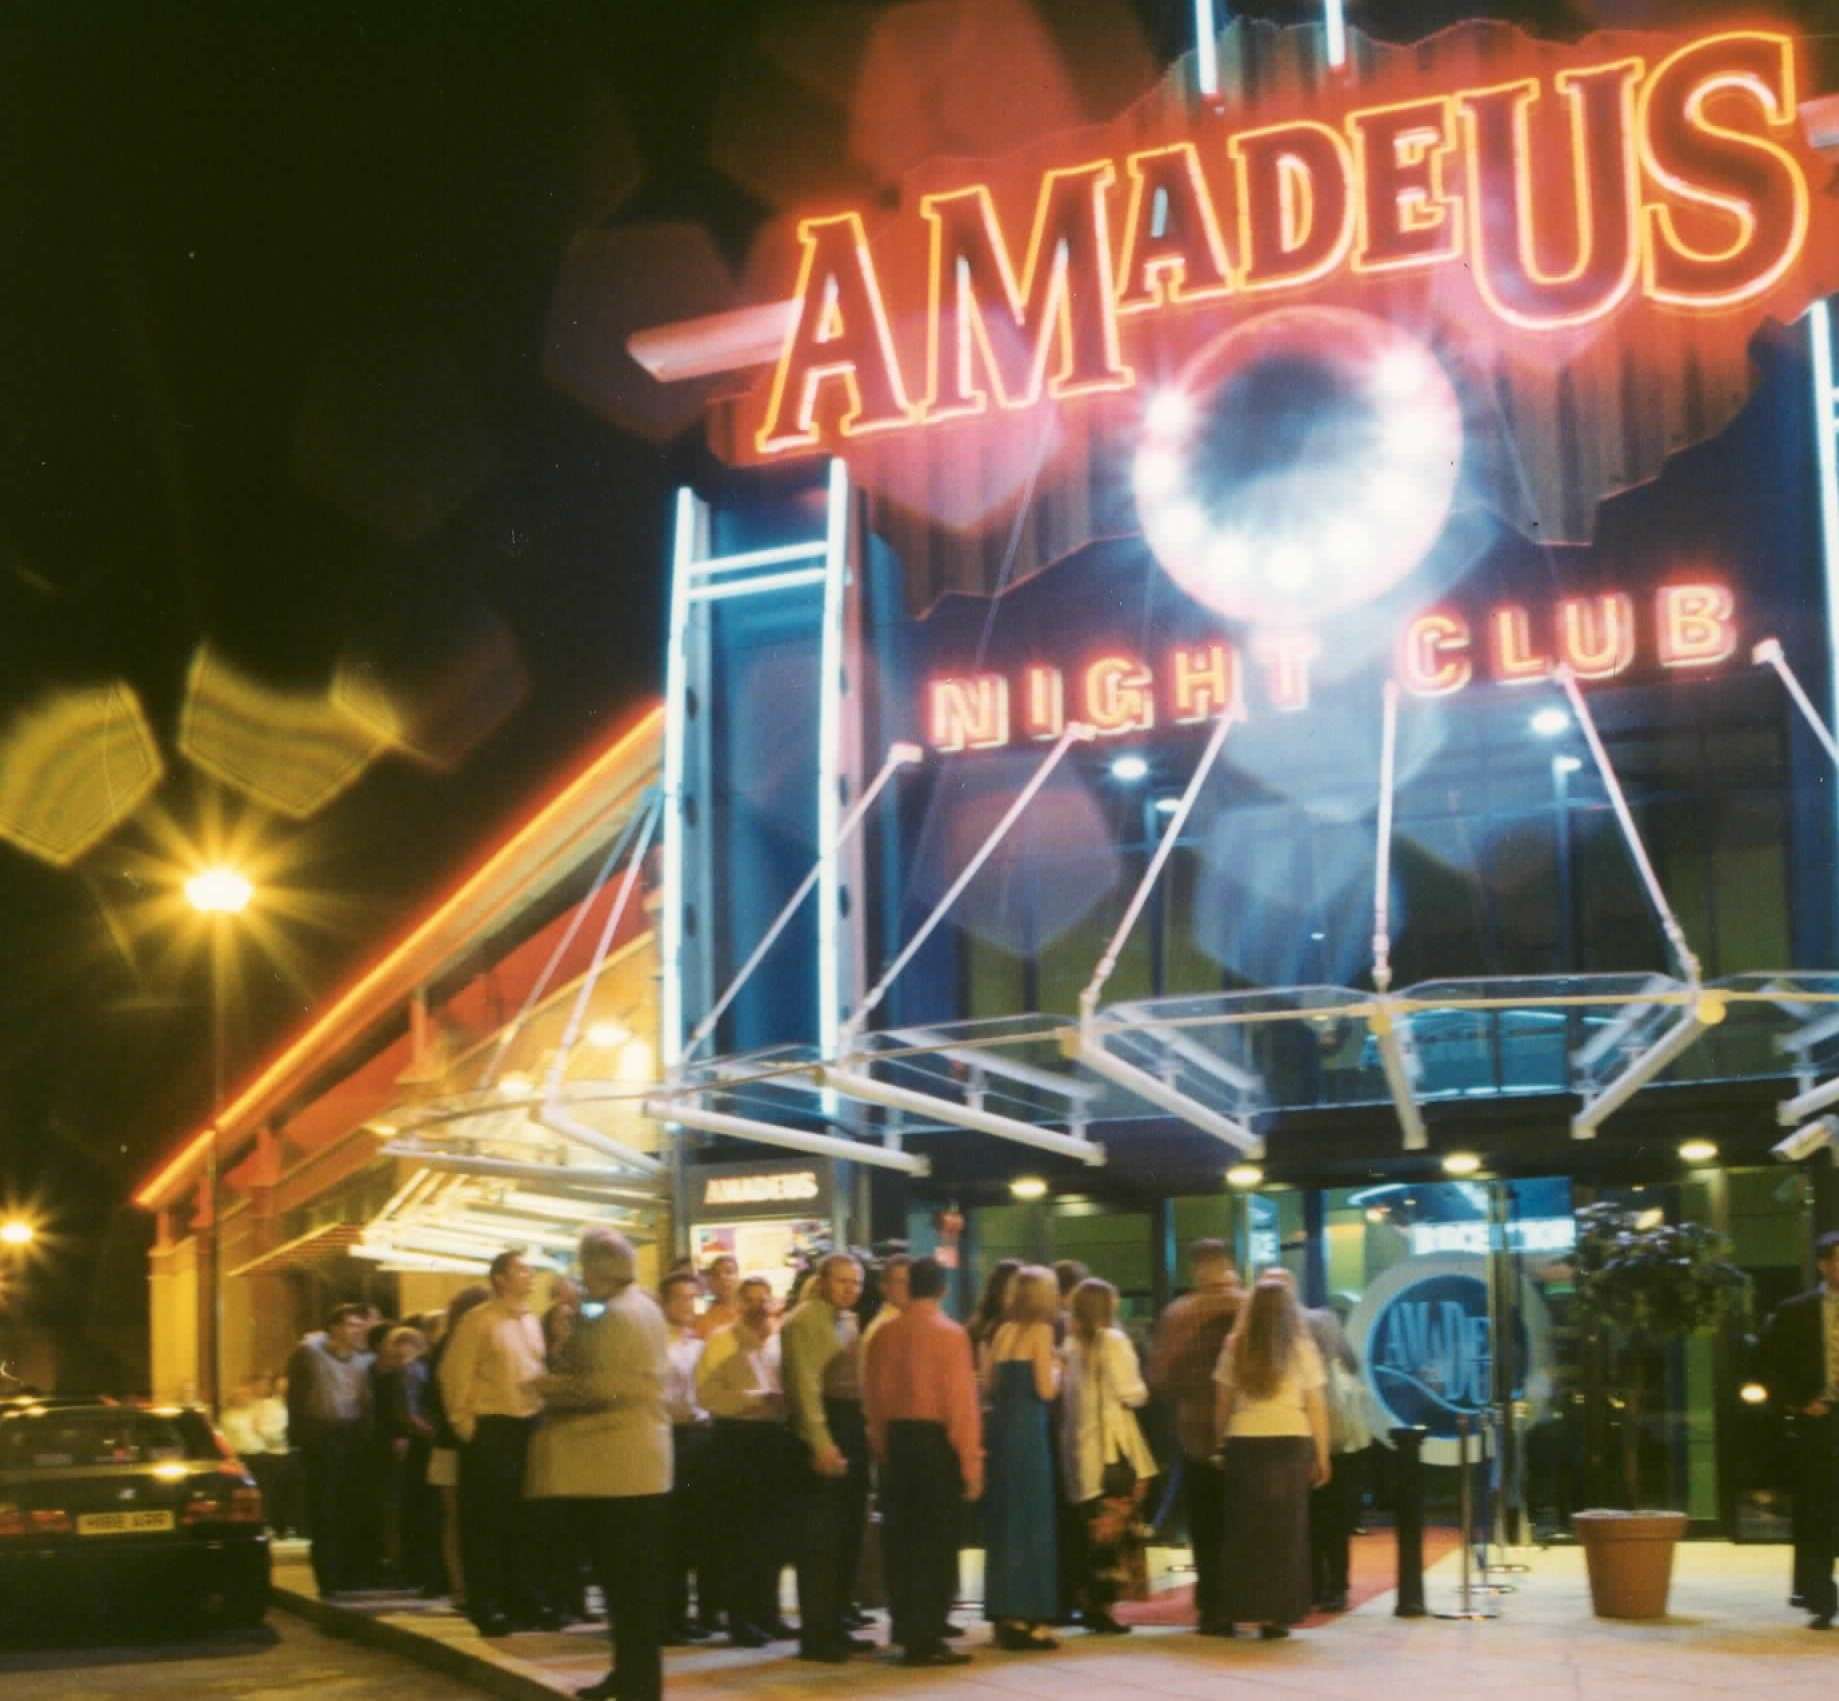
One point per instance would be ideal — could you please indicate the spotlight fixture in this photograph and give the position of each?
(1698, 1151)
(1028, 1187)
(1244, 1175)
(1167, 805)
(1566, 764)
(1461, 1163)
(1129, 769)
(1549, 723)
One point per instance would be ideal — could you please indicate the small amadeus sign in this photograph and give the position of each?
(730, 1191)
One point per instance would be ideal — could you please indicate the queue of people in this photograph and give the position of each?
(683, 1451)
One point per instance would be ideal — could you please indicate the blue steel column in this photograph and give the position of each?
(683, 956)
(839, 778)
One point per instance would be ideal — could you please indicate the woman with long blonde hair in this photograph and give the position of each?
(1021, 1376)
(1273, 1418)
(1105, 1464)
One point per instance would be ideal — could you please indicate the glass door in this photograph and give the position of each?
(1446, 1293)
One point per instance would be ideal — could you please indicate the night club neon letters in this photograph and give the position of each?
(1684, 625)
(1671, 180)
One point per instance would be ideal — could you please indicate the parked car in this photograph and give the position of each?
(107, 1508)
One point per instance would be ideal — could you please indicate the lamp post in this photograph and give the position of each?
(218, 894)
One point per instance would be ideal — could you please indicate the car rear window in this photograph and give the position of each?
(54, 1441)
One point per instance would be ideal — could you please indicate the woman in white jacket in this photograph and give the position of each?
(1104, 1460)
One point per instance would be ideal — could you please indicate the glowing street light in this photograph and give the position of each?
(219, 891)
(1549, 723)
(17, 1232)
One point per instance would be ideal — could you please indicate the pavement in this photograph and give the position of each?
(1730, 1630)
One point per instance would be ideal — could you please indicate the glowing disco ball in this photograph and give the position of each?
(1302, 463)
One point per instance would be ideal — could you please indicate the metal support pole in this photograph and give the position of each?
(1409, 1517)
(220, 944)
(1465, 1511)
(1494, 1560)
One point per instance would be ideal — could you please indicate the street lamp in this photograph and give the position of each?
(218, 893)
(17, 1233)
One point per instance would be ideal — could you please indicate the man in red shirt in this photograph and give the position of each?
(920, 1397)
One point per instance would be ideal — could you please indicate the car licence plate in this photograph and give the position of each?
(122, 1523)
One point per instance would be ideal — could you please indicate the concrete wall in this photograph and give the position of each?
(173, 1317)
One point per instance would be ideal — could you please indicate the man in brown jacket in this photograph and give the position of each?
(1188, 1338)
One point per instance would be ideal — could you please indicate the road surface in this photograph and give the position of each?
(285, 1660)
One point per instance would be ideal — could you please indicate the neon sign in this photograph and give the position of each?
(1683, 625)
(1674, 179)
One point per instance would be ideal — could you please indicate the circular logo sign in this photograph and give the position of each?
(1303, 462)
(1427, 1348)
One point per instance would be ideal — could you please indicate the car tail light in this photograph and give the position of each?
(223, 1501)
(12, 1519)
(47, 1521)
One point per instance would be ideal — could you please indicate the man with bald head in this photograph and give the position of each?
(823, 1396)
(606, 1448)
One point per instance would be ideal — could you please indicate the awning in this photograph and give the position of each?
(307, 1251)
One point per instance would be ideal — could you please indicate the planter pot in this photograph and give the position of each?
(1630, 1555)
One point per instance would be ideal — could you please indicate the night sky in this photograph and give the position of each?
(310, 332)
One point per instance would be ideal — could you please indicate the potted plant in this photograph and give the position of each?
(1641, 1284)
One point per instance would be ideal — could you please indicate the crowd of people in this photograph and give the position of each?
(508, 1459)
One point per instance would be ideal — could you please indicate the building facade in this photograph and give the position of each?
(1248, 700)
(387, 1150)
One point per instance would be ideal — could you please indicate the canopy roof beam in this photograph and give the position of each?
(553, 1114)
(792, 1139)
(1087, 1044)
(569, 1182)
(1077, 732)
(865, 1089)
(1701, 1011)
(1398, 1058)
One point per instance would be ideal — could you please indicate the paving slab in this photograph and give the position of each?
(1730, 1630)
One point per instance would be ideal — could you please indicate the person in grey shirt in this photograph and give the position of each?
(328, 1420)
(605, 1446)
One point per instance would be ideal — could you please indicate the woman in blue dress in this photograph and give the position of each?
(1021, 1376)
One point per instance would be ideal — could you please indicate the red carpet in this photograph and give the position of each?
(1372, 1570)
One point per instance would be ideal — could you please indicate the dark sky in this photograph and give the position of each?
(275, 288)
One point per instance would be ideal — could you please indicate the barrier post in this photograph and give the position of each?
(1465, 1513)
(1409, 1517)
